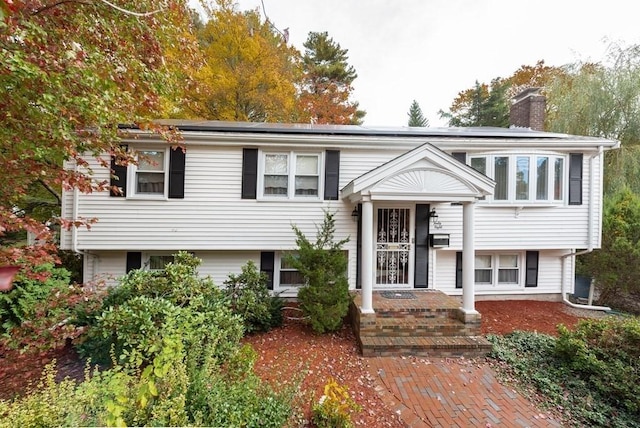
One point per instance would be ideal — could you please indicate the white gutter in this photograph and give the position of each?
(590, 227)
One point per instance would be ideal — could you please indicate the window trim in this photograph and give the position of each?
(291, 174)
(495, 270)
(278, 269)
(146, 259)
(532, 178)
(133, 171)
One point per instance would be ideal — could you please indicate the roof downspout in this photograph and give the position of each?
(590, 227)
(74, 216)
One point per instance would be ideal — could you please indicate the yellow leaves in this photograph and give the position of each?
(335, 407)
(248, 73)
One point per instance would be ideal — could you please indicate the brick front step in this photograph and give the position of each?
(415, 327)
(437, 347)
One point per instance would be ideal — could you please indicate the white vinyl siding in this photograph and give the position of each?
(212, 216)
(213, 221)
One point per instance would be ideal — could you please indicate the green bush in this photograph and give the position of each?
(43, 314)
(235, 397)
(50, 406)
(28, 295)
(250, 298)
(115, 397)
(148, 306)
(164, 393)
(616, 266)
(325, 298)
(177, 362)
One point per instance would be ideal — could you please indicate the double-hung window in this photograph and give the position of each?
(497, 269)
(508, 269)
(289, 276)
(291, 175)
(150, 175)
(159, 262)
(524, 178)
(484, 270)
(276, 174)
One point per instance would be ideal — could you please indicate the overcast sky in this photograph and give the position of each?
(429, 50)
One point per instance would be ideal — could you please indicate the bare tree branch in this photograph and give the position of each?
(52, 191)
(116, 7)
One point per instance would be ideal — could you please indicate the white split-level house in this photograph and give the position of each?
(474, 212)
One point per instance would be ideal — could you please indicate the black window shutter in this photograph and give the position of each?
(460, 156)
(134, 260)
(532, 269)
(267, 261)
(249, 173)
(458, 269)
(421, 276)
(359, 249)
(575, 179)
(176, 173)
(331, 175)
(118, 178)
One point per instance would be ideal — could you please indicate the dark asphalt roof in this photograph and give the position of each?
(361, 130)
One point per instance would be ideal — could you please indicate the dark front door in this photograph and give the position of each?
(421, 279)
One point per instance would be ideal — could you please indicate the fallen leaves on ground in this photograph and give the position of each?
(293, 351)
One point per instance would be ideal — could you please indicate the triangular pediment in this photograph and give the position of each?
(423, 174)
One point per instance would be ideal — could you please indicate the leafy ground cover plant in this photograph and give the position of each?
(590, 376)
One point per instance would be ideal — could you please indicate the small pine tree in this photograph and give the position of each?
(325, 298)
(416, 118)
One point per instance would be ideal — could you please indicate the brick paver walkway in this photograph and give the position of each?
(450, 393)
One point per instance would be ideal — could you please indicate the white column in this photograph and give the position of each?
(468, 258)
(367, 257)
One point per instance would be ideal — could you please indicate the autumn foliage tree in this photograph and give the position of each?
(488, 104)
(249, 72)
(482, 105)
(326, 87)
(70, 72)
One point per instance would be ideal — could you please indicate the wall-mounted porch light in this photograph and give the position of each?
(355, 214)
(433, 217)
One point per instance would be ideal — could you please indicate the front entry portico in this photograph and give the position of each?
(388, 196)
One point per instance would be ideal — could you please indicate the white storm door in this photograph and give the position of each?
(394, 247)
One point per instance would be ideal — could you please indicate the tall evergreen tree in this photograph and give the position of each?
(416, 118)
(483, 105)
(326, 89)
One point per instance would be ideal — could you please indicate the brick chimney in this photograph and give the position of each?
(527, 109)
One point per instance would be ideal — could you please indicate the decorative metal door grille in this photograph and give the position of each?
(393, 246)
